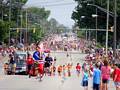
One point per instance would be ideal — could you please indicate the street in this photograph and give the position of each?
(82, 38)
(21, 82)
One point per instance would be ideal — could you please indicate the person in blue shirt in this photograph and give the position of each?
(85, 79)
(36, 54)
(96, 77)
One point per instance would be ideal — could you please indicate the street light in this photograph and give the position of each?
(107, 24)
(82, 17)
(89, 37)
(102, 9)
(94, 15)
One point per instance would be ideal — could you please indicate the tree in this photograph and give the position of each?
(37, 18)
(56, 27)
(39, 12)
(3, 30)
(9, 8)
(83, 9)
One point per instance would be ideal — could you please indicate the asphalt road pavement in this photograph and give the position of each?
(21, 82)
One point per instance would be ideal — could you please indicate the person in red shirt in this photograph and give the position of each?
(116, 77)
(91, 67)
(29, 64)
(78, 67)
(41, 68)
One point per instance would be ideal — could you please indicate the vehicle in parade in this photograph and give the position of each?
(19, 65)
(20, 60)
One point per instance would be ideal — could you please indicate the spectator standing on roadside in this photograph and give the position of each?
(105, 71)
(116, 77)
(96, 77)
(6, 65)
(85, 79)
(12, 64)
(84, 66)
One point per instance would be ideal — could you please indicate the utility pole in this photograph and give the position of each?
(107, 27)
(89, 38)
(2, 14)
(115, 27)
(9, 19)
(86, 35)
(26, 25)
(21, 27)
(96, 24)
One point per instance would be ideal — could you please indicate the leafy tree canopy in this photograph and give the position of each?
(82, 15)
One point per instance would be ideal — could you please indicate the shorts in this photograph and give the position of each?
(59, 71)
(78, 71)
(29, 66)
(46, 65)
(96, 86)
(41, 68)
(105, 81)
(117, 84)
(41, 71)
(85, 83)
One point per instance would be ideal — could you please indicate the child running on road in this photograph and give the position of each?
(59, 70)
(64, 70)
(78, 67)
(69, 66)
(54, 70)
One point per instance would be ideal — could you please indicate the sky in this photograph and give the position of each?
(61, 10)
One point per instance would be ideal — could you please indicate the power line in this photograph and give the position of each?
(61, 4)
(52, 5)
(55, 1)
(49, 2)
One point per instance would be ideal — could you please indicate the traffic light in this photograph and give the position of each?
(34, 30)
(111, 29)
(17, 30)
